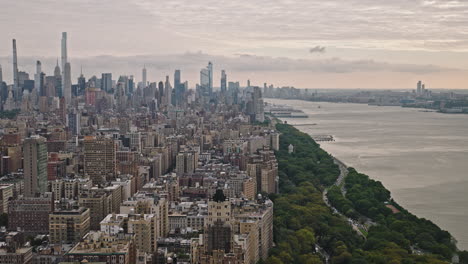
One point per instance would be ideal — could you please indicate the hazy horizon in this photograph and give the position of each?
(307, 44)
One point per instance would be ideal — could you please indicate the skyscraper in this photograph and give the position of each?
(179, 88)
(168, 91)
(67, 83)
(106, 82)
(35, 166)
(58, 81)
(161, 91)
(1, 75)
(143, 79)
(37, 77)
(64, 53)
(223, 82)
(419, 88)
(206, 79)
(210, 69)
(16, 86)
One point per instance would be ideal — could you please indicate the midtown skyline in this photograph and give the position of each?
(306, 44)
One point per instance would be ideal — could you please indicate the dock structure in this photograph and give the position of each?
(323, 138)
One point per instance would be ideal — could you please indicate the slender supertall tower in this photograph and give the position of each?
(64, 62)
(16, 87)
(64, 52)
(143, 79)
(67, 84)
(37, 77)
(223, 81)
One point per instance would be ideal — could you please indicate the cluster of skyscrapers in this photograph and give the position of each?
(111, 170)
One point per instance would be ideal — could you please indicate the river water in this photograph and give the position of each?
(421, 157)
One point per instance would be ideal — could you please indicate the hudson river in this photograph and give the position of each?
(421, 157)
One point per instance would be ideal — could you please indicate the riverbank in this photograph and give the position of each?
(300, 211)
(419, 157)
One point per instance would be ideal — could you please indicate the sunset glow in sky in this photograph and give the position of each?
(304, 43)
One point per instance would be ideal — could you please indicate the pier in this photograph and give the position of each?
(323, 138)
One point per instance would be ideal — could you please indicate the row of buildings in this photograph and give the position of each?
(137, 173)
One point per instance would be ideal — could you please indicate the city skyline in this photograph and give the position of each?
(297, 46)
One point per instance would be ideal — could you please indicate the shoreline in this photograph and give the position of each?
(305, 152)
(341, 163)
(422, 109)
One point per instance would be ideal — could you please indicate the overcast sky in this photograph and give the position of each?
(304, 43)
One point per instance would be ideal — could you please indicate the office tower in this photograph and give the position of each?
(99, 159)
(67, 83)
(223, 81)
(176, 79)
(1, 75)
(248, 83)
(206, 79)
(106, 82)
(419, 88)
(16, 86)
(58, 81)
(178, 88)
(143, 79)
(131, 84)
(168, 91)
(35, 166)
(74, 118)
(81, 84)
(161, 91)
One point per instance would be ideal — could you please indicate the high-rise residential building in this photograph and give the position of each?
(144, 82)
(143, 226)
(6, 192)
(99, 159)
(37, 77)
(64, 54)
(106, 82)
(16, 85)
(104, 248)
(31, 214)
(35, 166)
(68, 225)
(223, 82)
(186, 162)
(67, 83)
(258, 104)
(99, 204)
(218, 225)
